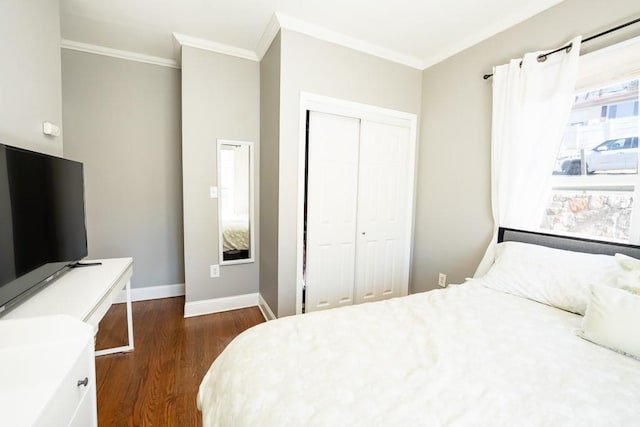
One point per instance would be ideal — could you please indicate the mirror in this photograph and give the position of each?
(235, 201)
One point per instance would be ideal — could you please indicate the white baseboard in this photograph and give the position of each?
(198, 308)
(265, 309)
(151, 292)
(217, 305)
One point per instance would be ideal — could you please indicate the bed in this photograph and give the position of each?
(480, 353)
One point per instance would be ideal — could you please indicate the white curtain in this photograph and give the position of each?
(531, 105)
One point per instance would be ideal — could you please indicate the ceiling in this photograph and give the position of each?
(418, 33)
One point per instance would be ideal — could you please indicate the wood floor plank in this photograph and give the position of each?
(157, 383)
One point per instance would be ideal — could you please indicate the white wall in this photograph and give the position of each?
(122, 120)
(220, 99)
(30, 88)
(454, 222)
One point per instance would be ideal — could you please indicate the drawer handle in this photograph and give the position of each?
(83, 382)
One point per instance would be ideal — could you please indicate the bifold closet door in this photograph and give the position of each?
(384, 190)
(332, 197)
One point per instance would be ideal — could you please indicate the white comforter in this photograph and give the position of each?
(465, 355)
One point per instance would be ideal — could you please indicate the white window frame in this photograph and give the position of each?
(608, 66)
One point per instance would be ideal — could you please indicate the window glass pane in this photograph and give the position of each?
(600, 133)
(600, 214)
(596, 170)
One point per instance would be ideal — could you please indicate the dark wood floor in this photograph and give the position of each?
(157, 383)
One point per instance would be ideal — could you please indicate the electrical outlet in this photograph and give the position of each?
(442, 280)
(214, 270)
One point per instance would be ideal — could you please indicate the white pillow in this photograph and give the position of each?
(554, 277)
(629, 277)
(613, 320)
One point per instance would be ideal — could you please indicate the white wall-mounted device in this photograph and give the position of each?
(50, 129)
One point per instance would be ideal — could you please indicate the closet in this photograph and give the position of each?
(358, 209)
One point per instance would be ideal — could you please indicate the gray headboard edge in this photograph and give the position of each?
(576, 244)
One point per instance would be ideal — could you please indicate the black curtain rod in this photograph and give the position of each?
(543, 57)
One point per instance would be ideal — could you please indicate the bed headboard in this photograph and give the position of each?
(576, 244)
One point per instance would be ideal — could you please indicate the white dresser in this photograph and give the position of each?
(47, 347)
(47, 371)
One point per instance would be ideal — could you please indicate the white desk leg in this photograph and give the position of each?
(129, 316)
(128, 347)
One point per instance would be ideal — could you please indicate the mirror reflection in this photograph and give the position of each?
(235, 182)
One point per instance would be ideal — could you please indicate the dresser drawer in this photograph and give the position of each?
(86, 412)
(77, 387)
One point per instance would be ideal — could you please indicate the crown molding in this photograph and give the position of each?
(277, 22)
(315, 31)
(225, 49)
(117, 53)
(268, 35)
(492, 28)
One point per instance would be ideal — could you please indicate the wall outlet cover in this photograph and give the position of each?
(214, 271)
(442, 280)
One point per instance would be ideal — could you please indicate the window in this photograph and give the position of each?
(596, 173)
(595, 187)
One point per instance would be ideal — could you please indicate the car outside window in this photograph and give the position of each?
(596, 172)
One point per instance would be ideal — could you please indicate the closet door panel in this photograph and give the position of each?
(383, 205)
(331, 210)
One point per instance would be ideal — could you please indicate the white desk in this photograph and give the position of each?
(84, 293)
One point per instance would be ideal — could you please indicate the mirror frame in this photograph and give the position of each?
(252, 246)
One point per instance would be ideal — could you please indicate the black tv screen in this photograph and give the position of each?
(42, 221)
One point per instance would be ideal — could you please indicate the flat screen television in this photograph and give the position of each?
(42, 221)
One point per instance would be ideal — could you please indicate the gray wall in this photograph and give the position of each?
(316, 66)
(30, 91)
(220, 99)
(454, 222)
(122, 120)
(269, 168)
